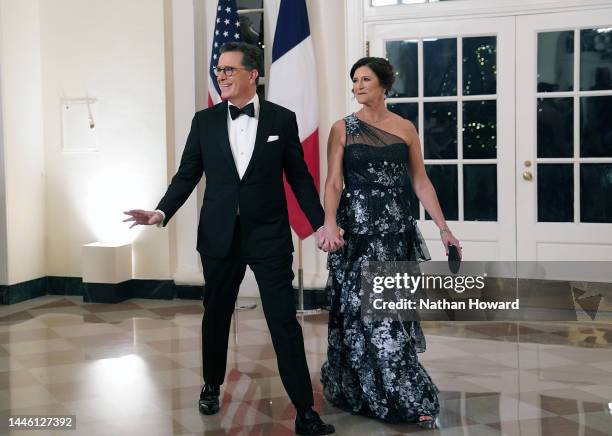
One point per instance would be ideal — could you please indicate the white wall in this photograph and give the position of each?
(22, 114)
(113, 51)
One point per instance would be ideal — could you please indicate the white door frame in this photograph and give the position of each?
(470, 8)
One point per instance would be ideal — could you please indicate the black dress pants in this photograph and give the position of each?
(274, 276)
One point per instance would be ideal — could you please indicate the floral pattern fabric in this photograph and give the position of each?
(372, 366)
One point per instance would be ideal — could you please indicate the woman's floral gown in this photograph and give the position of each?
(372, 367)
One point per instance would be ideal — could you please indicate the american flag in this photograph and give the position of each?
(227, 29)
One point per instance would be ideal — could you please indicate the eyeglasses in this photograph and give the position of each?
(229, 71)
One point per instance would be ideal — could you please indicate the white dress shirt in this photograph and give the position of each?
(242, 132)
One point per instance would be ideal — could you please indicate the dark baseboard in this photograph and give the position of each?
(188, 292)
(155, 289)
(64, 285)
(313, 298)
(91, 292)
(11, 294)
(106, 292)
(115, 293)
(135, 288)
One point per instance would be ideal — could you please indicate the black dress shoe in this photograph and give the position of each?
(209, 399)
(309, 423)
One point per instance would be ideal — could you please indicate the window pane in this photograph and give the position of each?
(595, 126)
(403, 56)
(252, 28)
(556, 61)
(555, 193)
(556, 127)
(444, 179)
(596, 193)
(410, 111)
(249, 4)
(440, 67)
(480, 65)
(440, 136)
(595, 59)
(480, 192)
(480, 129)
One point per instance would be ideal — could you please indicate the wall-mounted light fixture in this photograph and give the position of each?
(77, 136)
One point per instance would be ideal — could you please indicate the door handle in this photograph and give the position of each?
(528, 176)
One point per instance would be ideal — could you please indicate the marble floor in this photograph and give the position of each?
(134, 369)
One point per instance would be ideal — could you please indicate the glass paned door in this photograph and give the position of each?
(452, 88)
(453, 84)
(564, 136)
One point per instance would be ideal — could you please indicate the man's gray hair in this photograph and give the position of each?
(252, 56)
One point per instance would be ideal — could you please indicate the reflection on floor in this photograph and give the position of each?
(134, 368)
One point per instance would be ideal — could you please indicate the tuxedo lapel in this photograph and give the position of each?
(223, 136)
(264, 125)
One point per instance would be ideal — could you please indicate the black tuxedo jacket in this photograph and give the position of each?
(259, 195)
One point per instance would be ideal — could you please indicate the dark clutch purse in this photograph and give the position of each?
(454, 260)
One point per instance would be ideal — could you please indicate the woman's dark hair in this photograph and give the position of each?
(381, 67)
(252, 57)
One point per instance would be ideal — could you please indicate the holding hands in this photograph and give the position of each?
(330, 237)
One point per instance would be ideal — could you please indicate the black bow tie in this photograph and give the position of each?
(235, 111)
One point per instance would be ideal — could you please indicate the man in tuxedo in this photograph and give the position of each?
(243, 145)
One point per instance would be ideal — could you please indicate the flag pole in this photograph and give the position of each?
(301, 311)
(300, 276)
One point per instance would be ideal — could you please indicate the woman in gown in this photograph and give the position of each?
(372, 367)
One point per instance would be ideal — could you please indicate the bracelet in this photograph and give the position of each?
(444, 230)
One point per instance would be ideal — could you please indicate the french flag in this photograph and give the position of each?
(293, 84)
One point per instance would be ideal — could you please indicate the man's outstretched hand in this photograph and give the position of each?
(143, 217)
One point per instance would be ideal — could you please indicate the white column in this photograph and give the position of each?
(188, 268)
(22, 226)
(3, 235)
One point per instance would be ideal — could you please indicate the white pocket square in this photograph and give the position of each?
(272, 138)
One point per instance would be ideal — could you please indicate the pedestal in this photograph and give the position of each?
(107, 271)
